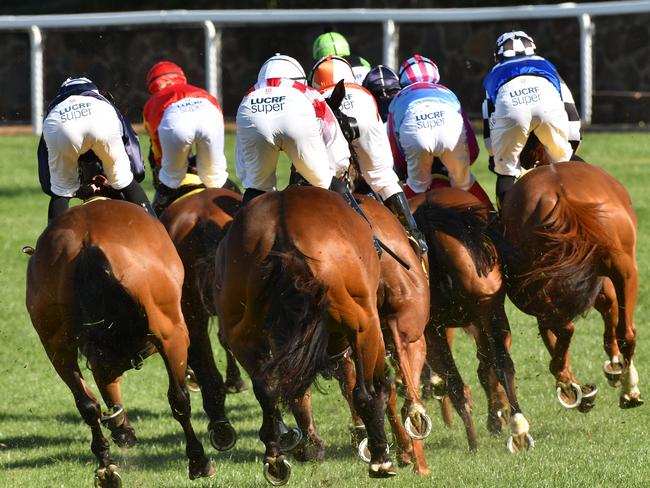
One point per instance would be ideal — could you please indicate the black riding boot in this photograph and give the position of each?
(134, 193)
(57, 206)
(251, 193)
(504, 183)
(163, 198)
(398, 204)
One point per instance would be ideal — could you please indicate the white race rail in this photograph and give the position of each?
(389, 18)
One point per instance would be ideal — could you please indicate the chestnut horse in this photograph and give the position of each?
(296, 284)
(403, 300)
(106, 280)
(575, 231)
(467, 288)
(196, 223)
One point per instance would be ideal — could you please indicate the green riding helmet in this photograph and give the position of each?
(330, 43)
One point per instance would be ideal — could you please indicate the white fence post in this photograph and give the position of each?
(390, 44)
(212, 57)
(36, 45)
(586, 67)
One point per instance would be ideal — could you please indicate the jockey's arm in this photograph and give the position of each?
(470, 137)
(575, 135)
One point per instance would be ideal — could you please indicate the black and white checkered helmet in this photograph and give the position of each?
(514, 43)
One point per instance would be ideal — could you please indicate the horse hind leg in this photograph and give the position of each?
(65, 364)
(115, 419)
(607, 306)
(310, 447)
(172, 344)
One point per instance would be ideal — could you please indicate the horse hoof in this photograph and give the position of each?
(289, 440)
(124, 437)
(589, 393)
(191, 382)
(235, 386)
(222, 435)
(278, 471)
(309, 450)
(420, 431)
(364, 452)
(626, 402)
(613, 371)
(570, 399)
(520, 443)
(201, 469)
(108, 477)
(384, 469)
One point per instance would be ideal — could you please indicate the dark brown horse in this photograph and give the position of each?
(196, 224)
(106, 280)
(575, 231)
(296, 284)
(467, 288)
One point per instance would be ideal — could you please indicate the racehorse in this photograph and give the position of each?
(467, 288)
(575, 232)
(296, 282)
(403, 300)
(106, 280)
(196, 223)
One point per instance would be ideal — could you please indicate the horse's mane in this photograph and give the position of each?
(465, 224)
(296, 315)
(570, 242)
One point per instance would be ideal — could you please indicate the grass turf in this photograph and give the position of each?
(45, 442)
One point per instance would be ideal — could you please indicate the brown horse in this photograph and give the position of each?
(575, 231)
(296, 284)
(106, 280)
(467, 288)
(196, 224)
(403, 300)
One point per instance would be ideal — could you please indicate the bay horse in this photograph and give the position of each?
(196, 224)
(296, 281)
(575, 233)
(105, 280)
(403, 301)
(467, 289)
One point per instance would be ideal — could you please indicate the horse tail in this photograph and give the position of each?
(465, 224)
(296, 322)
(565, 266)
(104, 306)
(204, 267)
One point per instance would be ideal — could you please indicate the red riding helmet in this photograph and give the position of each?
(162, 74)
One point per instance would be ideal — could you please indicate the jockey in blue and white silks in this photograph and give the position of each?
(425, 121)
(525, 94)
(80, 120)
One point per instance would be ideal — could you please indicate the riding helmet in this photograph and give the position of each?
(163, 74)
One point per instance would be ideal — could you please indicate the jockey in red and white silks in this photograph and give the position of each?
(425, 121)
(281, 113)
(372, 146)
(177, 116)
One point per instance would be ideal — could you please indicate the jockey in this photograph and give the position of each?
(425, 121)
(371, 146)
(176, 116)
(524, 94)
(80, 121)
(280, 112)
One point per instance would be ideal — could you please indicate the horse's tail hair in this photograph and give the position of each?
(204, 267)
(465, 224)
(103, 304)
(566, 265)
(296, 320)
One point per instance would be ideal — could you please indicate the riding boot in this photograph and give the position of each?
(251, 193)
(477, 190)
(134, 193)
(504, 183)
(340, 187)
(57, 206)
(163, 198)
(398, 204)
